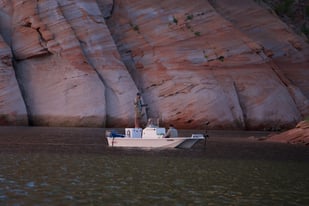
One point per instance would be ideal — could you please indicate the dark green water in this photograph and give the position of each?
(107, 179)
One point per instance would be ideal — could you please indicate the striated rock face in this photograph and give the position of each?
(236, 65)
(12, 106)
(68, 65)
(80, 63)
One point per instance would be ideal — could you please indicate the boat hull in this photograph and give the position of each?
(179, 142)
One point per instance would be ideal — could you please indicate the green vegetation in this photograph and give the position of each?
(307, 11)
(217, 57)
(221, 58)
(305, 30)
(185, 24)
(190, 17)
(285, 8)
(197, 33)
(175, 20)
(295, 12)
(134, 27)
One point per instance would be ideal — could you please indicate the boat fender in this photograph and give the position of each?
(128, 133)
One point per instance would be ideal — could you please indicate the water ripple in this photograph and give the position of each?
(54, 179)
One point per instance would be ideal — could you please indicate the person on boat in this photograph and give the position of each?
(138, 110)
(151, 123)
(171, 132)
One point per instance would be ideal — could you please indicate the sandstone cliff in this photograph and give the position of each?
(80, 63)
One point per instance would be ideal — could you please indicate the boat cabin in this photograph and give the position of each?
(147, 133)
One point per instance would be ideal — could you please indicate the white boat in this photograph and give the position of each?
(151, 137)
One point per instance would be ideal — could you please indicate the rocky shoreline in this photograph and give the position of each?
(298, 135)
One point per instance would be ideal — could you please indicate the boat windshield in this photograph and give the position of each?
(153, 123)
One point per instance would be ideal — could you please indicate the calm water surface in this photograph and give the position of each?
(108, 179)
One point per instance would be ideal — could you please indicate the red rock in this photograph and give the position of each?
(224, 74)
(235, 65)
(12, 105)
(297, 135)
